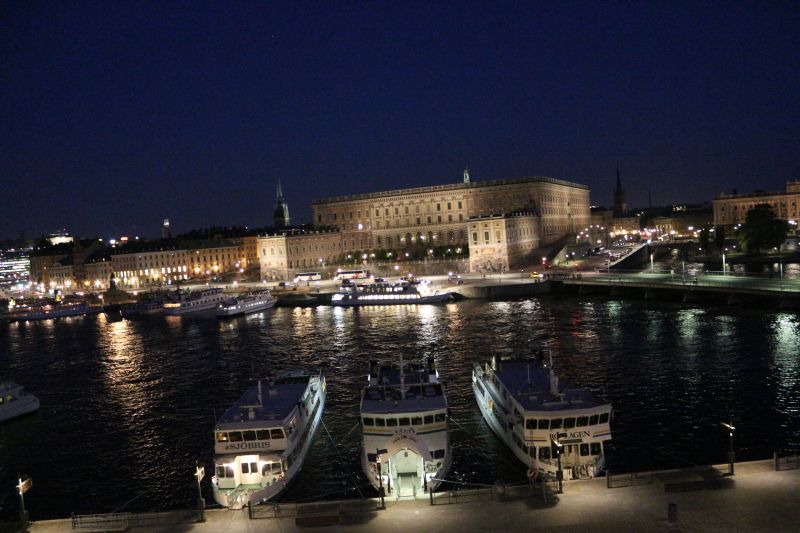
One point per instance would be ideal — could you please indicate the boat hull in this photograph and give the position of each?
(22, 406)
(238, 311)
(359, 302)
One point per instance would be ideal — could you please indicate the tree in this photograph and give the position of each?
(761, 229)
(719, 238)
(704, 240)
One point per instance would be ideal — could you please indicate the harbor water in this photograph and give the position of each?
(128, 405)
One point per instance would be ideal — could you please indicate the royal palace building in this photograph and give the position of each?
(439, 214)
(731, 209)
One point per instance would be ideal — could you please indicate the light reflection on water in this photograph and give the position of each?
(129, 405)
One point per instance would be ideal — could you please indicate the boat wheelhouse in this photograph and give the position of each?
(548, 425)
(262, 441)
(252, 302)
(192, 302)
(14, 401)
(406, 445)
(388, 294)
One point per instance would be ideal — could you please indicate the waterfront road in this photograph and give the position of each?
(757, 498)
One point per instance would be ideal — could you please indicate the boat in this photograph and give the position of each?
(549, 426)
(143, 307)
(252, 302)
(388, 294)
(14, 401)
(55, 310)
(406, 445)
(262, 441)
(193, 302)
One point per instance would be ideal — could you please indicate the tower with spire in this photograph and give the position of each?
(620, 204)
(280, 216)
(466, 175)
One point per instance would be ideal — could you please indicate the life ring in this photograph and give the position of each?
(532, 474)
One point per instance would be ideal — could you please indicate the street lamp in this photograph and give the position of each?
(731, 454)
(556, 448)
(199, 474)
(22, 487)
(723, 261)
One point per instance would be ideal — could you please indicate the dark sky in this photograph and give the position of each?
(116, 115)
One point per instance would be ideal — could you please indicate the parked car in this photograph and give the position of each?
(287, 285)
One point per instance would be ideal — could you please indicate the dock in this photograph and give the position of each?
(758, 497)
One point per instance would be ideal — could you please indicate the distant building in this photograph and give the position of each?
(731, 209)
(284, 254)
(281, 217)
(620, 203)
(166, 231)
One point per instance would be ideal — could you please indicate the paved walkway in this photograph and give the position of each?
(756, 499)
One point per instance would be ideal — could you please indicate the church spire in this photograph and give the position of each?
(280, 216)
(620, 204)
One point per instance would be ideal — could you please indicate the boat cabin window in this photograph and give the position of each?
(596, 448)
(429, 419)
(544, 423)
(249, 435)
(391, 422)
(582, 421)
(404, 422)
(530, 423)
(604, 418)
(584, 450)
(380, 422)
(440, 417)
(262, 434)
(556, 423)
(271, 468)
(371, 457)
(276, 433)
(569, 423)
(249, 467)
(593, 420)
(437, 454)
(222, 436)
(235, 436)
(544, 453)
(369, 421)
(224, 471)
(416, 421)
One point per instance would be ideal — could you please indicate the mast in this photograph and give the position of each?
(402, 379)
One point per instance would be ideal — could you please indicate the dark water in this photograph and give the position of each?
(128, 406)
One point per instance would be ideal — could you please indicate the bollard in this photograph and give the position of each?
(500, 490)
(672, 514)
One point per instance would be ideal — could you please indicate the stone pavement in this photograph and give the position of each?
(757, 498)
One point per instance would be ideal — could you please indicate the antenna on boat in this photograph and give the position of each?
(553, 377)
(259, 393)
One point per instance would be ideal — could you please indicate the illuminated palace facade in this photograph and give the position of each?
(438, 215)
(731, 209)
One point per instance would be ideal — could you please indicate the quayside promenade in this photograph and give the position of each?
(756, 498)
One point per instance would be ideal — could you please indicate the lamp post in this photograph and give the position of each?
(23, 486)
(781, 267)
(731, 454)
(199, 474)
(557, 446)
(652, 265)
(723, 262)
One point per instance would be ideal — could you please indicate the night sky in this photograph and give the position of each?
(116, 115)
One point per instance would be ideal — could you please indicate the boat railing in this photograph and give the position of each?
(452, 492)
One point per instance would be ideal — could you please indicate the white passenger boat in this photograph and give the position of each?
(143, 307)
(536, 416)
(192, 302)
(14, 401)
(252, 302)
(388, 294)
(406, 445)
(54, 310)
(262, 440)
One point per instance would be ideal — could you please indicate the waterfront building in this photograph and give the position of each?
(14, 268)
(291, 251)
(439, 214)
(731, 209)
(499, 243)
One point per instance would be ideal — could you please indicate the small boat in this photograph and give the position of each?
(548, 425)
(193, 302)
(262, 441)
(252, 302)
(14, 401)
(388, 294)
(406, 445)
(143, 307)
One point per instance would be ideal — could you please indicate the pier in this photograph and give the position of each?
(760, 497)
